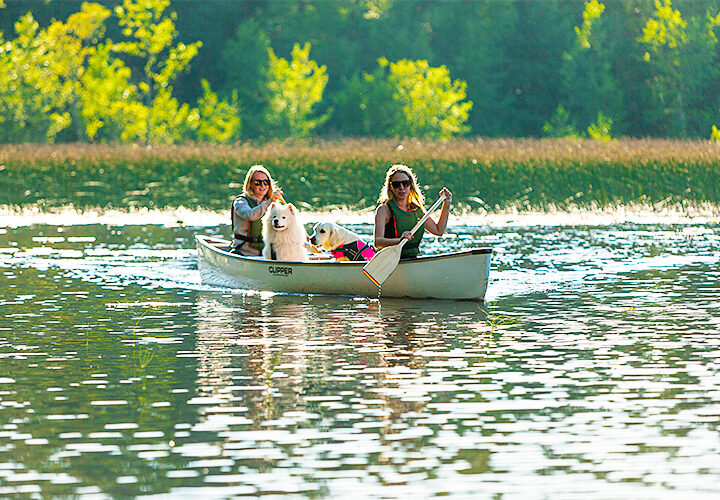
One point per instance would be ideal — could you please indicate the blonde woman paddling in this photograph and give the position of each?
(401, 208)
(259, 191)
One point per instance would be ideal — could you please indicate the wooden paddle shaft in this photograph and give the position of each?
(422, 221)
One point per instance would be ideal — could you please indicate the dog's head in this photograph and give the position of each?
(281, 216)
(325, 235)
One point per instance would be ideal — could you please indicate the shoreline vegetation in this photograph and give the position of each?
(496, 178)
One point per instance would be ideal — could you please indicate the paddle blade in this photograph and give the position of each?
(382, 265)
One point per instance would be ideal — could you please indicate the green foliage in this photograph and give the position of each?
(294, 88)
(72, 45)
(41, 86)
(217, 121)
(682, 56)
(431, 102)
(650, 65)
(65, 79)
(244, 66)
(405, 99)
(600, 130)
(367, 107)
(473, 40)
(109, 101)
(560, 124)
(588, 72)
(150, 35)
(666, 29)
(715, 134)
(29, 91)
(593, 11)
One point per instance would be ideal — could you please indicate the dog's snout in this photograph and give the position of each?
(312, 240)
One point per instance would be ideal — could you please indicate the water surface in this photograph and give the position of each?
(593, 371)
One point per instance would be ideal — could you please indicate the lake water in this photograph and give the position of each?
(593, 371)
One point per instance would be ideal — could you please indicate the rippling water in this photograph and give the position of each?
(593, 371)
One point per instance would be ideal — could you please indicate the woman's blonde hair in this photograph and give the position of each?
(386, 193)
(249, 177)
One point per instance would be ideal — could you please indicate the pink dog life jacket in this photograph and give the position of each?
(357, 250)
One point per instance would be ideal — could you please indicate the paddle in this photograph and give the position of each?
(382, 265)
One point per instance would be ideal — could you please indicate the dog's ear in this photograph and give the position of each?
(292, 209)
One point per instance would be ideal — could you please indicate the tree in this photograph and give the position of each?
(589, 84)
(153, 114)
(681, 54)
(41, 85)
(432, 104)
(560, 124)
(109, 100)
(149, 37)
(294, 88)
(244, 65)
(65, 81)
(601, 129)
(31, 107)
(470, 38)
(533, 51)
(218, 121)
(365, 105)
(71, 45)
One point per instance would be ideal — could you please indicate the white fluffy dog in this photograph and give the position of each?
(284, 235)
(341, 242)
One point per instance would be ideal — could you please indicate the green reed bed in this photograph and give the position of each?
(490, 175)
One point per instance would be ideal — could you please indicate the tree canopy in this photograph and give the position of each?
(158, 71)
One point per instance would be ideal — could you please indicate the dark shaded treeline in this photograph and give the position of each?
(520, 59)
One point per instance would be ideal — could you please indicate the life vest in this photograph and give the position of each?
(401, 221)
(357, 250)
(255, 227)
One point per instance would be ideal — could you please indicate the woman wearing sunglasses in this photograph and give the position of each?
(401, 207)
(259, 192)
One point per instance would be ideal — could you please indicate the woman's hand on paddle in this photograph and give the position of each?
(447, 194)
(406, 235)
(277, 195)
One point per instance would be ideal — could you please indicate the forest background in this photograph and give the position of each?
(225, 70)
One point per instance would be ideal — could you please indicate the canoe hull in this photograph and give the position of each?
(458, 276)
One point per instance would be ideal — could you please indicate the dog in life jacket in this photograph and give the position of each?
(341, 242)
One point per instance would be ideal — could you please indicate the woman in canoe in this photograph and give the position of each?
(259, 191)
(401, 208)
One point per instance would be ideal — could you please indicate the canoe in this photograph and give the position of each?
(456, 276)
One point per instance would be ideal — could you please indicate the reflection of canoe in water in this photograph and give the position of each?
(460, 276)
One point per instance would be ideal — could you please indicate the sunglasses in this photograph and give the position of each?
(260, 182)
(404, 183)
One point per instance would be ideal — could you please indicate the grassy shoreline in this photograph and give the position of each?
(486, 176)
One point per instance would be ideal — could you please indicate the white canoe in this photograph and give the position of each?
(458, 276)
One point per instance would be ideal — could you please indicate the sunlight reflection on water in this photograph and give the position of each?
(591, 372)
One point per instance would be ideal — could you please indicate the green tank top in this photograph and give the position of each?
(255, 227)
(401, 221)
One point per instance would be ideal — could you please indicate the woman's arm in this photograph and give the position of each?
(438, 228)
(382, 217)
(243, 210)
